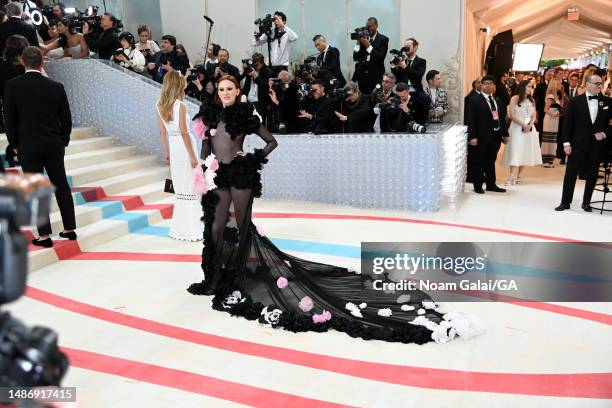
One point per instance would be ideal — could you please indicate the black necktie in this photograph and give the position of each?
(493, 108)
(592, 97)
(408, 63)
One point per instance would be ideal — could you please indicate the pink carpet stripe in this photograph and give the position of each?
(190, 382)
(589, 385)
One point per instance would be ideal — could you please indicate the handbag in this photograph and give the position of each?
(169, 187)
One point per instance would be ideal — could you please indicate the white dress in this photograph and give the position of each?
(523, 148)
(187, 216)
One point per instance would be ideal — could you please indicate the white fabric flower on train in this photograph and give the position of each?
(232, 300)
(204, 181)
(354, 309)
(385, 312)
(270, 317)
(455, 324)
(428, 304)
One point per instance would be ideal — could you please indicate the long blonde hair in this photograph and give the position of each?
(553, 87)
(173, 88)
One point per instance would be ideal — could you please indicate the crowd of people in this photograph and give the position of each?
(540, 119)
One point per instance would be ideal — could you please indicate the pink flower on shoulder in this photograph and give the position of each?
(322, 317)
(214, 165)
(282, 282)
(306, 304)
(199, 128)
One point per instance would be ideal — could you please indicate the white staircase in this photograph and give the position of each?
(95, 162)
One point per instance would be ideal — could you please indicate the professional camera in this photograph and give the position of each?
(398, 56)
(91, 17)
(223, 67)
(376, 92)
(360, 32)
(28, 357)
(279, 86)
(304, 90)
(339, 94)
(248, 65)
(193, 75)
(304, 68)
(392, 103)
(414, 127)
(264, 25)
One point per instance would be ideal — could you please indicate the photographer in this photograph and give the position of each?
(128, 56)
(355, 111)
(282, 112)
(412, 68)
(321, 119)
(398, 115)
(224, 67)
(197, 83)
(329, 58)
(280, 39)
(369, 56)
(167, 59)
(103, 41)
(256, 75)
(212, 56)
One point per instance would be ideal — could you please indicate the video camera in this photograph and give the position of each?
(29, 357)
(91, 17)
(264, 26)
(360, 32)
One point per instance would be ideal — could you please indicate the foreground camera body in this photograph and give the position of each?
(264, 25)
(398, 56)
(29, 357)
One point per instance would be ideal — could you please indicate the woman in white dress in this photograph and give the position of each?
(179, 147)
(550, 126)
(523, 148)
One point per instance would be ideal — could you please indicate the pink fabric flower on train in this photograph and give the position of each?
(322, 317)
(200, 184)
(214, 165)
(199, 128)
(306, 304)
(282, 282)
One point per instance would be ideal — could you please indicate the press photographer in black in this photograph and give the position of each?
(197, 83)
(167, 59)
(224, 67)
(411, 68)
(318, 111)
(256, 87)
(404, 112)
(353, 110)
(369, 55)
(329, 58)
(282, 111)
(104, 40)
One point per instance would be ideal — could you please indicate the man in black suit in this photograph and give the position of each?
(369, 56)
(586, 126)
(412, 68)
(167, 59)
(256, 86)
(14, 25)
(486, 129)
(329, 59)
(319, 118)
(38, 126)
(476, 89)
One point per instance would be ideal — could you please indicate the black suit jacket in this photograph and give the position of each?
(37, 113)
(539, 94)
(413, 73)
(263, 88)
(176, 60)
(481, 125)
(466, 105)
(578, 129)
(375, 67)
(332, 64)
(104, 43)
(15, 26)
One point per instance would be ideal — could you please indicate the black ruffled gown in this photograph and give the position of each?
(250, 277)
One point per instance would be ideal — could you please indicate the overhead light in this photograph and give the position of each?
(573, 14)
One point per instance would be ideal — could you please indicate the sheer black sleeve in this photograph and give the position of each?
(270, 140)
(205, 152)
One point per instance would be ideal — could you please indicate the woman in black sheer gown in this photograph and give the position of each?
(250, 277)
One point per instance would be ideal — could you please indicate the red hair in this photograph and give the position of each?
(233, 81)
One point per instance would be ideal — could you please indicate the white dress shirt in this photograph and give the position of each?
(593, 108)
(370, 48)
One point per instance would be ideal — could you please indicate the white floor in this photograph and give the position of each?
(135, 337)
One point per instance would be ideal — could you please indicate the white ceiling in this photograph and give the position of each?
(545, 21)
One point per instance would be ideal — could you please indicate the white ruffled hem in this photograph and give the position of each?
(455, 324)
(185, 239)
